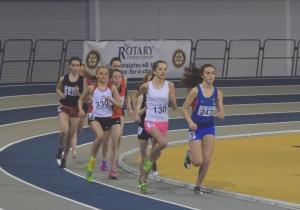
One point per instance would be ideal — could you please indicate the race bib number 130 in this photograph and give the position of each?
(160, 109)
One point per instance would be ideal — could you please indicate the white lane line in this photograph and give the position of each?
(32, 185)
(27, 95)
(36, 187)
(257, 104)
(134, 193)
(27, 121)
(28, 138)
(26, 107)
(26, 85)
(49, 192)
(240, 196)
(45, 118)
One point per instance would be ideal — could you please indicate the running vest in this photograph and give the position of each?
(157, 102)
(118, 112)
(203, 108)
(70, 89)
(101, 107)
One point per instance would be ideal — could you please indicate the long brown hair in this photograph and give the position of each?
(193, 76)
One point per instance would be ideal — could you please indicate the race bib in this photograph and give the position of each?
(122, 100)
(206, 111)
(101, 104)
(70, 91)
(140, 130)
(91, 116)
(192, 135)
(161, 109)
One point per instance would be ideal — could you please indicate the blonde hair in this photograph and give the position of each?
(101, 67)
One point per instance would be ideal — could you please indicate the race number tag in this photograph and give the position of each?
(70, 91)
(91, 116)
(102, 103)
(122, 100)
(140, 130)
(206, 111)
(160, 109)
(192, 135)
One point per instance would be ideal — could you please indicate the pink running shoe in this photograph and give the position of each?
(103, 165)
(113, 174)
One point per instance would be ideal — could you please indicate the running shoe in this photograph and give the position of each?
(113, 174)
(187, 160)
(89, 170)
(143, 187)
(147, 166)
(154, 170)
(59, 152)
(89, 175)
(198, 191)
(63, 163)
(103, 165)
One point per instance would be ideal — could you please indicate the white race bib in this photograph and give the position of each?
(206, 111)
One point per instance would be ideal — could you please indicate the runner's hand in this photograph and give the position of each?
(192, 126)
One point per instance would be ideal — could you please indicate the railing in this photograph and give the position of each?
(45, 60)
(240, 52)
(208, 50)
(282, 50)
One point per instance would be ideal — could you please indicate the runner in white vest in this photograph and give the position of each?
(158, 93)
(99, 113)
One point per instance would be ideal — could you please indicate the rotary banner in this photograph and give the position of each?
(137, 56)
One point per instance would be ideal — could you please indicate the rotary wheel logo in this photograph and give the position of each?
(179, 58)
(92, 59)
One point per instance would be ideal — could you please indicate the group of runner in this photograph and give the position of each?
(103, 97)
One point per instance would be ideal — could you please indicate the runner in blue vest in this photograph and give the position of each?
(205, 99)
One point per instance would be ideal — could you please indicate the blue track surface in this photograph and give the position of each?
(17, 115)
(13, 90)
(34, 161)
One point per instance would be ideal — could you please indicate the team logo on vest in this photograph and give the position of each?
(92, 59)
(179, 58)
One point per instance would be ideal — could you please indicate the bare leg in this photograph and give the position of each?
(115, 136)
(207, 145)
(64, 130)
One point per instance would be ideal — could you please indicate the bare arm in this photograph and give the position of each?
(84, 87)
(142, 90)
(59, 89)
(84, 97)
(125, 80)
(220, 105)
(172, 95)
(116, 97)
(185, 108)
(139, 106)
